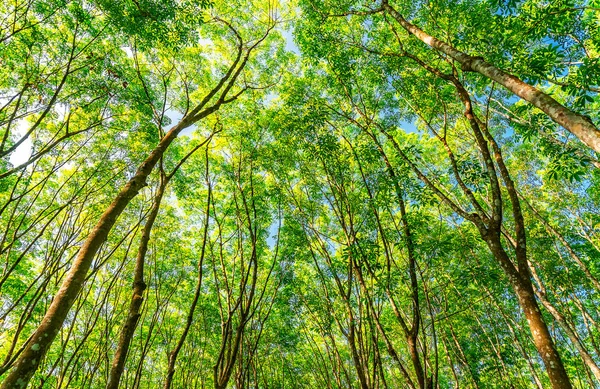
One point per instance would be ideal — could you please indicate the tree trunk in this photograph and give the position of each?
(539, 330)
(137, 297)
(541, 337)
(561, 320)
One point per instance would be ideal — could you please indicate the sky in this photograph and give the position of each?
(23, 152)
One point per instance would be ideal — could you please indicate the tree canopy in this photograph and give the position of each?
(300, 194)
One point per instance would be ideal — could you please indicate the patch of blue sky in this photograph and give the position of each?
(290, 43)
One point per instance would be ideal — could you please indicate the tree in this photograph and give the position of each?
(332, 194)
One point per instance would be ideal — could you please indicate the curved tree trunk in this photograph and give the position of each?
(542, 338)
(139, 285)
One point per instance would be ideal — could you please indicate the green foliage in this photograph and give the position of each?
(324, 215)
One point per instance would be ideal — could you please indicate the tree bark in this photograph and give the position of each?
(137, 298)
(539, 330)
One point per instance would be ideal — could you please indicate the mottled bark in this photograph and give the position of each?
(519, 278)
(490, 230)
(542, 338)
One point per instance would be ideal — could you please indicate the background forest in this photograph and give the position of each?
(311, 194)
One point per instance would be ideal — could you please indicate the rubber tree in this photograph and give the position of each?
(40, 341)
(579, 125)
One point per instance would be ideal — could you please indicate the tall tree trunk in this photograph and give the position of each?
(54, 318)
(490, 230)
(519, 280)
(542, 338)
(139, 286)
